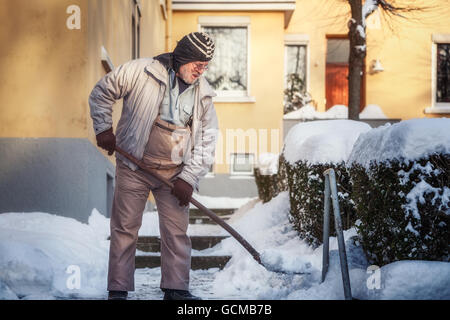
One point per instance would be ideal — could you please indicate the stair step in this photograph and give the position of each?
(206, 220)
(152, 244)
(197, 262)
(195, 212)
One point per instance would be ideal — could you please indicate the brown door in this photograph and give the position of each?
(336, 85)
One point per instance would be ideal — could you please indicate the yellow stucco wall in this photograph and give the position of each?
(403, 46)
(266, 80)
(49, 70)
(43, 70)
(110, 26)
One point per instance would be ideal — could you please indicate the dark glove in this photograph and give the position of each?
(107, 140)
(183, 191)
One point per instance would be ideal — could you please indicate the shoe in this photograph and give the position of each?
(172, 294)
(117, 295)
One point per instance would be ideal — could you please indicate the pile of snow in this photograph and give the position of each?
(267, 163)
(308, 112)
(43, 256)
(266, 227)
(406, 140)
(372, 111)
(325, 141)
(40, 255)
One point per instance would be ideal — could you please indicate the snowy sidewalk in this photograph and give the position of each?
(147, 285)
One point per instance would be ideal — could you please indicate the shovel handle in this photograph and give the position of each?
(201, 207)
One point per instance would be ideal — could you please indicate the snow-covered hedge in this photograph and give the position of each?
(311, 148)
(401, 190)
(270, 176)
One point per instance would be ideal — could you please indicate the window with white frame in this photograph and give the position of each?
(440, 61)
(242, 163)
(296, 57)
(296, 61)
(210, 172)
(228, 71)
(443, 73)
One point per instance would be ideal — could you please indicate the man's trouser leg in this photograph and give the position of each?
(130, 196)
(175, 244)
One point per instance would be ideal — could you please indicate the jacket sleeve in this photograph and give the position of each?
(203, 153)
(113, 86)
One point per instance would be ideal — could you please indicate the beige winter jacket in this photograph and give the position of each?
(142, 84)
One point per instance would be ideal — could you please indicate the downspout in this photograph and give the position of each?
(169, 26)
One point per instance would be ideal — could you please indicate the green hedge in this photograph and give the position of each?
(306, 194)
(397, 219)
(270, 186)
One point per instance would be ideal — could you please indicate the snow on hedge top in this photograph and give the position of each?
(308, 112)
(409, 140)
(268, 163)
(327, 141)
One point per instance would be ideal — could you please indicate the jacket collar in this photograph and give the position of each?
(157, 70)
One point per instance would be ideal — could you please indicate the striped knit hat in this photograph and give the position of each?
(195, 46)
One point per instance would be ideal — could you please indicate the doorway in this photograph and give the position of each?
(337, 70)
(336, 80)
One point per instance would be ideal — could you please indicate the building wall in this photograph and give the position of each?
(110, 26)
(403, 46)
(266, 80)
(44, 68)
(50, 161)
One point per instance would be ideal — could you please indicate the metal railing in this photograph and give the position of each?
(331, 193)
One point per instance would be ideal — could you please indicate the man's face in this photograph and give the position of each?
(191, 71)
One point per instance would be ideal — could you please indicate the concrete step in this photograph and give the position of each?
(206, 219)
(152, 244)
(197, 262)
(196, 216)
(195, 212)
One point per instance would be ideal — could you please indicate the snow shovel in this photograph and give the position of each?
(206, 211)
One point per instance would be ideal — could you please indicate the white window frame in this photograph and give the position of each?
(233, 157)
(437, 107)
(231, 21)
(297, 40)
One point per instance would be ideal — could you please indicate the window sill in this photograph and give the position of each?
(246, 99)
(443, 109)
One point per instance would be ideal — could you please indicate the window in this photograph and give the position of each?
(242, 163)
(296, 57)
(296, 61)
(136, 31)
(228, 71)
(440, 77)
(443, 73)
(210, 172)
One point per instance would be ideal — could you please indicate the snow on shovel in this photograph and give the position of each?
(210, 214)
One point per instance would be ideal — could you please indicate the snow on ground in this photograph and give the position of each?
(323, 141)
(408, 140)
(267, 228)
(308, 112)
(37, 251)
(267, 163)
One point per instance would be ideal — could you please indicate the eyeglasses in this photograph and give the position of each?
(200, 67)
